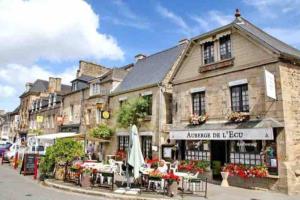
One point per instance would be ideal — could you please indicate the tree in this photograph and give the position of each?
(63, 151)
(132, 112)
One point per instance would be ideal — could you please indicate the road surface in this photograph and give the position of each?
(14, 186)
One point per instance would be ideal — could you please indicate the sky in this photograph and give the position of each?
(42, 38)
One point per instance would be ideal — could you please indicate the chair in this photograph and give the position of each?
(174, 166)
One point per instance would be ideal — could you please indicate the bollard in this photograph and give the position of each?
(35, 168)
(16, 160)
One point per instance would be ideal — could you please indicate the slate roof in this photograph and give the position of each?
(261, 36)
(150, 70)
(42, 86)
(113, 74)
(84, 78)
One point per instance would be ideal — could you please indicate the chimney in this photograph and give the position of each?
(139, 57)
(183, 41)
(237, 13)
(28, 86)
(54, 85)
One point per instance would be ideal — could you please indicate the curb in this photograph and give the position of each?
(49, 183)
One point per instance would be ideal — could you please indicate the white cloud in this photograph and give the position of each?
(211, 20)
(273, 8)
(6, 91)
(127, 17)
(52, 30)
(17, 75)
(177, 20)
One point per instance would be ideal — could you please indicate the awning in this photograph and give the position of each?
(57, 136)
(250, 130)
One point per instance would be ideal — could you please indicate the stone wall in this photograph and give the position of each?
(290, 80)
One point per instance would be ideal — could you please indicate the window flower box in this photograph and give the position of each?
(238, 117)
(198, 119)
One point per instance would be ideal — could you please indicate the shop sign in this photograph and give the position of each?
(39, 119)
(270, 84)
(227, 134)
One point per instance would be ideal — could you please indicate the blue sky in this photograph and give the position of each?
(112, 32)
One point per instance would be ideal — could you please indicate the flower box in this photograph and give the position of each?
(238, 117)
(198, 119)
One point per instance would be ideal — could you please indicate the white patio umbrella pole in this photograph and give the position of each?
(128, 153)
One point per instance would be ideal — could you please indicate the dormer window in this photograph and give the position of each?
(41, 103)
(50, 100)
(208, 52)
(225, 47)
(54, 96)
(95, 89)
(75, 86)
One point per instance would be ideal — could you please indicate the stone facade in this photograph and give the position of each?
(250, 59)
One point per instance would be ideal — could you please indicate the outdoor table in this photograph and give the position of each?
(101, 174)
(182, 176)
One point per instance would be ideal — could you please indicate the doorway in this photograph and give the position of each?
(218, 157)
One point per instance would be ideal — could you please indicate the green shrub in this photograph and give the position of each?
(101, 131)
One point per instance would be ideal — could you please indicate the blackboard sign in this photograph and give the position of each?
(27, 167)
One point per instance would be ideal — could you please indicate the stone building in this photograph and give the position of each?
(44, 113)
(36, 94)
(244, 84)
(149, 78)
(72, 108)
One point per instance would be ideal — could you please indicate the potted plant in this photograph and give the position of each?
(85, 180)
(238, 117)
(172, 183)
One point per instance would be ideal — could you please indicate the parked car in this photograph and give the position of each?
(4, 147)
(15, 147)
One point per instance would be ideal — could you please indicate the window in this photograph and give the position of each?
(147, 146)
(88, 117)
(95, 89)
(75, 86)
(123, 143)
(98, 115)
(225, 47)
(54, 98)
(197, 150)
(148, 98)
(239, 98)
(198, 103)
(71, 113)
(122, 102)
(208, 53)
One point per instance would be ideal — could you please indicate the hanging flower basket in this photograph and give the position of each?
(238, 117)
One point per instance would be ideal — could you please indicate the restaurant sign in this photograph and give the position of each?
(226, 134)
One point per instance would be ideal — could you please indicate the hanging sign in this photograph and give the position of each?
(39, 119)
(227, 134)
(270, 84)
(105, 115)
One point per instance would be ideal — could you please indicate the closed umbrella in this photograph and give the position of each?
(136, 159)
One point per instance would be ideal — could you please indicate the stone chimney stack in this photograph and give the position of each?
(28, 86)
(237, 13)
(139, 57)
(54, 85)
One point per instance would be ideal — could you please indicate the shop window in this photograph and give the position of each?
(148, 98)
(198, 100)
(239, 98)
(123, 143)
(225, 47)
(208, 53)
(147, 146)
(246, 152)
(197, 150)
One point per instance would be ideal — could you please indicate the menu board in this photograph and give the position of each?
(27, 167)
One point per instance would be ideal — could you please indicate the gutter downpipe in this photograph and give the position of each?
(159, 120)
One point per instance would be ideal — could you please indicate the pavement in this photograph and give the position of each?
(14, 186)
